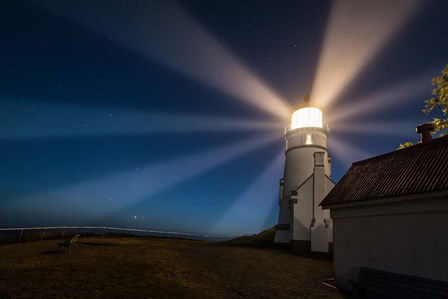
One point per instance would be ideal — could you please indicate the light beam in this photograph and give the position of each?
(252, 207)
(356, 32)
(164, 32)
(93, 199)
(347, 153)
(398, 128)
(395, 95)
(53, 120)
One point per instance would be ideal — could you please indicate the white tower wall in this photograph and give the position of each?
(299, 166)
(305, 183)
(319, 226)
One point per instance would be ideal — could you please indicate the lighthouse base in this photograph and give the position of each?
(304, 248)
(282, 235)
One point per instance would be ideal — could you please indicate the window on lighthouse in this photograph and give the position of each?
(306, 117)
(308, 139)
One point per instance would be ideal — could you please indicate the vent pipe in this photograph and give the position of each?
(426, 131)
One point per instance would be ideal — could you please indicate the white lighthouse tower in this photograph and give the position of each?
(305, 183)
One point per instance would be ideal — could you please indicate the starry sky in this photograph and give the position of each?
(170, 115)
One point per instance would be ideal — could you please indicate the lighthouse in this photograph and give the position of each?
(305, 183)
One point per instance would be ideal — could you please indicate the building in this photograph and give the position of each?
(306, 181)
(390, 213)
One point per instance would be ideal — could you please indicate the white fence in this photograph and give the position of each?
(112, 229)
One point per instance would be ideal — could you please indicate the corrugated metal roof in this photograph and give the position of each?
(418, 169)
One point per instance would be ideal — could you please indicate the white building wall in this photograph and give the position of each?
(329, 184)
(309, 222)
(302, 215)
(319, 229)
(407, 237)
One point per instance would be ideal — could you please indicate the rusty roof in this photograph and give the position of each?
(421, 168)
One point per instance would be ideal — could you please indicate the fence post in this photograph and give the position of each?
(43, 234)
(65, 228)
(21, 232)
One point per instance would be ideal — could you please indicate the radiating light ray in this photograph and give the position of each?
(396, 95)
(356, 32)
(44, 120)
(163, 31)
(250, 210)
(347, 153)
(398, 128)
(94, 199)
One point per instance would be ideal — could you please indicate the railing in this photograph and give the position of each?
(325, 127)
(104, 229)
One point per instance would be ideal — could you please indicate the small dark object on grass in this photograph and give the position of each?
(67, 244)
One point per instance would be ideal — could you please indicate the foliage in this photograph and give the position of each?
(439, 103)
(405, 145)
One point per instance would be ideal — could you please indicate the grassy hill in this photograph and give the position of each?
(265, 238)
(160, 268)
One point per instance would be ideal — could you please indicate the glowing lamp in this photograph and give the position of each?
(306, 117)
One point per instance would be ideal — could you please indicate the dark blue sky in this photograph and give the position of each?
(111, 113)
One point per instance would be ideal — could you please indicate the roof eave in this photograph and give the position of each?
(420, 196)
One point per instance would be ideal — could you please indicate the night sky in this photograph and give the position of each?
(170, 115)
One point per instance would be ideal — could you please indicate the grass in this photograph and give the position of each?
(263, 239)
(160, 268)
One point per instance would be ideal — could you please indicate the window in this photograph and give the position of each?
(306, 117)
(308, 139)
